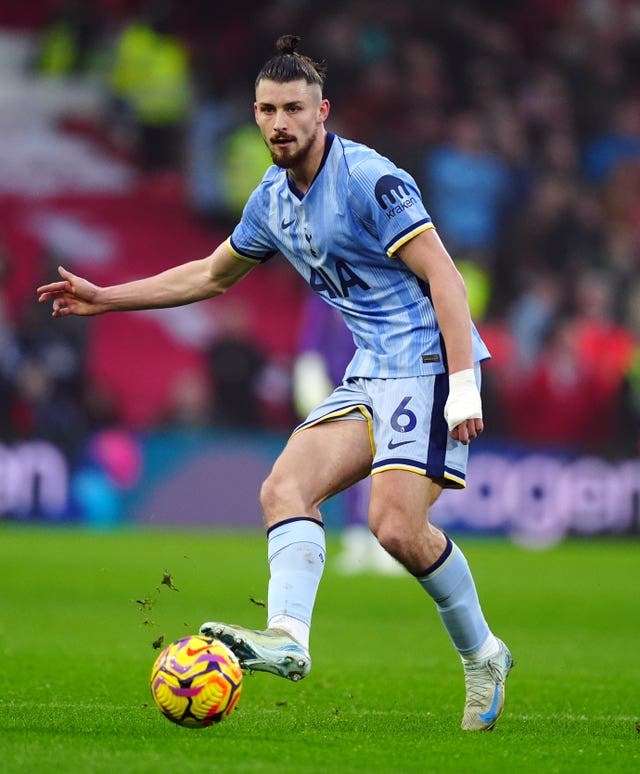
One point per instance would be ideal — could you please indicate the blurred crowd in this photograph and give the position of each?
(519, 121)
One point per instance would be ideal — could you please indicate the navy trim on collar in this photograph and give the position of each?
(327, 147)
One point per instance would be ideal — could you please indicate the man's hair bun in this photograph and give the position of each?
(287, 44)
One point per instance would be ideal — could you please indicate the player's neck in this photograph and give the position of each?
(302, 175)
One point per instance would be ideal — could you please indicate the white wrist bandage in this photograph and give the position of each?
(464, 398)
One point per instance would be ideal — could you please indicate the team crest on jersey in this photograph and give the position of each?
(393, 195)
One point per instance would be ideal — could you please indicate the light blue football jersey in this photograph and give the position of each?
(341, 235)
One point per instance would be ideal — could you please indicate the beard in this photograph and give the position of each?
(286, 159)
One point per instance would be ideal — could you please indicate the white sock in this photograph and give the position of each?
(299, 630)
(488, 648)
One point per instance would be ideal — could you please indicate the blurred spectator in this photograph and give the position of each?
(621, 199)
(9, 362)
(465, 185)
(533, 315)
(631, 308)
(191, 402)
(604, 345)
(509, 135)
(151, 88)
(551, 235)
(47, 381)
(619, 143)
(557, 402)
(71, 42)
(428, 94)
(545, 103)
(376, 97)
(45, 409)
(210, 123)
(236, 367)
(245, 159)
(336, 37)
(571, 393)
(629, 429)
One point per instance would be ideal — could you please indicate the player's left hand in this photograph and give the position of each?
(463, 409)
(466, 431)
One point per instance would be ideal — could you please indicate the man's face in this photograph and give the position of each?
(290, 116)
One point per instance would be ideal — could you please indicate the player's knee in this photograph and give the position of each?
(279, 498)
(269, 495)
(393, 536)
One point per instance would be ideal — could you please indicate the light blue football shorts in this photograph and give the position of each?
(406, 421)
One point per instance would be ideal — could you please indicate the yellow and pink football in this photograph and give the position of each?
(196, 681)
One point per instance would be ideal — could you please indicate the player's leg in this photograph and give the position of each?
(316, 463)
(415, 457)
(399, 516)
(360, 551)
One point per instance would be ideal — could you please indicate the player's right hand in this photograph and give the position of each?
(71, 295)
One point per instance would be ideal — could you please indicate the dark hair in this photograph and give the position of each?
(287, 65)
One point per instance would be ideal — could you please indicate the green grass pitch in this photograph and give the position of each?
(80, 611)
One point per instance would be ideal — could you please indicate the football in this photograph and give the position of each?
(196, 681)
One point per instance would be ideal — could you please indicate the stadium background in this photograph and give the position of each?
(127, 145)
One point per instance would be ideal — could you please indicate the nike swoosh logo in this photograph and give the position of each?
(394, 445)
(285, 224)
(490, 715)
(195, 651)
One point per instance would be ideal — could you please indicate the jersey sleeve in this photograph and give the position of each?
(251, 239)
(387, 202)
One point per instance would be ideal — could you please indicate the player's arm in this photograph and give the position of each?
(182, 284)
(428, 259)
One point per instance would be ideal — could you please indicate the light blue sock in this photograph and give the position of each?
(296, 558)
(451, 586)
